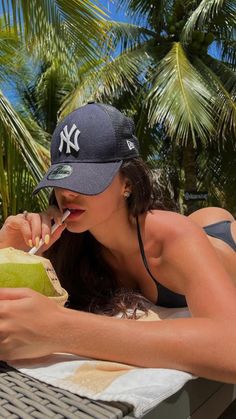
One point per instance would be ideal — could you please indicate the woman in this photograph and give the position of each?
(114, 239)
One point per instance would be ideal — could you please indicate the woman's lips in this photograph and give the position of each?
(74, 213)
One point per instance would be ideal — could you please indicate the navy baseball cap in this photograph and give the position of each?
(88, 148)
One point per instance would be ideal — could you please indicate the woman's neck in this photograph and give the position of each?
(118, 234)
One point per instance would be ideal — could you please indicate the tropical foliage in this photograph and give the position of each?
(172, 70)
(178, 60)
(43, 44)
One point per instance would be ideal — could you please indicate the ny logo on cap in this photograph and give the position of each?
(130, 144)
(66, 137)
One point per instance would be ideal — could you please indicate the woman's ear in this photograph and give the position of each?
(127, 188)
(126, 194)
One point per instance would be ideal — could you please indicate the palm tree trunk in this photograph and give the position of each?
(190, 183)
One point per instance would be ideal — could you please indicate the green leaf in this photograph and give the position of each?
(119, 74)
(206, 12)
(228, 52)
(180, 99)
(222, 81)
(127, 35)
(56, 26)
(147, 9)
(23, 162)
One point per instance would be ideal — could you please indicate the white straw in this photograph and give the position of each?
(53, 229)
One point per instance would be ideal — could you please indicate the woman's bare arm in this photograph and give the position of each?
(204, 345)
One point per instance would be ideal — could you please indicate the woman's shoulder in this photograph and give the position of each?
(167, 225)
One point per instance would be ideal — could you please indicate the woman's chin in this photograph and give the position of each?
(73, 228)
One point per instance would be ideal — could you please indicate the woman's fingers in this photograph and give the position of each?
(42, 227)
(28, 229)
(26, 232)
(17, 228)
(49, 217)
(53, 238)
(36, 227)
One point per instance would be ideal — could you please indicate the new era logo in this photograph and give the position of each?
(130, 144)
(69, 138)
(60, 172)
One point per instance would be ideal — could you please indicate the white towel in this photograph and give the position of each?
(144, 388)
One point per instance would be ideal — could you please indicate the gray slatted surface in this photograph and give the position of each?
(24, 397)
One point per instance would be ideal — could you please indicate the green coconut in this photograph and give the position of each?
(20, 269)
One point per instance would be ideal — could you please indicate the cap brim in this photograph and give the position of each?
(85, 178)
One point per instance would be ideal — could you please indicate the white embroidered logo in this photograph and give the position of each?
(130, 144)
(66, 137)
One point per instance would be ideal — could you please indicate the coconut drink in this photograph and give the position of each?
(20, 269)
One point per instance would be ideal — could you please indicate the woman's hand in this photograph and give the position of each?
(24, 231)
(31, 325)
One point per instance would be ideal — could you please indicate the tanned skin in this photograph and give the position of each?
(180, 255)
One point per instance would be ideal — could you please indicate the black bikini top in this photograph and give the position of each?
(166, 297)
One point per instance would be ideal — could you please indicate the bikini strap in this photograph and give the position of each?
(166, 297)
(140, 241)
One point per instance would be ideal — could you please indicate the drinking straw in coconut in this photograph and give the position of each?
(54, 228)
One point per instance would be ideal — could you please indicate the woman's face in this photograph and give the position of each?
(89, 211)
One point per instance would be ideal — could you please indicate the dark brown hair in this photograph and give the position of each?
(78, 261)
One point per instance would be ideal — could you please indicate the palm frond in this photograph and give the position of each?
(179, 99)
(206, 13)
(147, 9)
(34, 156)
(223, 26)
(217, 175)
(49, 93)
(119, 74)
(41, 137)
(227, 49)
(57, 25)
(137, 7)
(42, 95)
(224, 72)
(127, 35)
(9, 57)
(223, 81)
(17, 182)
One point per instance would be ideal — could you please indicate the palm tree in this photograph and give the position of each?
(42, 46)
(166, 61)
(217, 170)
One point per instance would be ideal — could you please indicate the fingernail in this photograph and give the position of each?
(30, 243)
(36, 241)
(46, 239)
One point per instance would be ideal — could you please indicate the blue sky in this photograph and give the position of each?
(115, 14)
